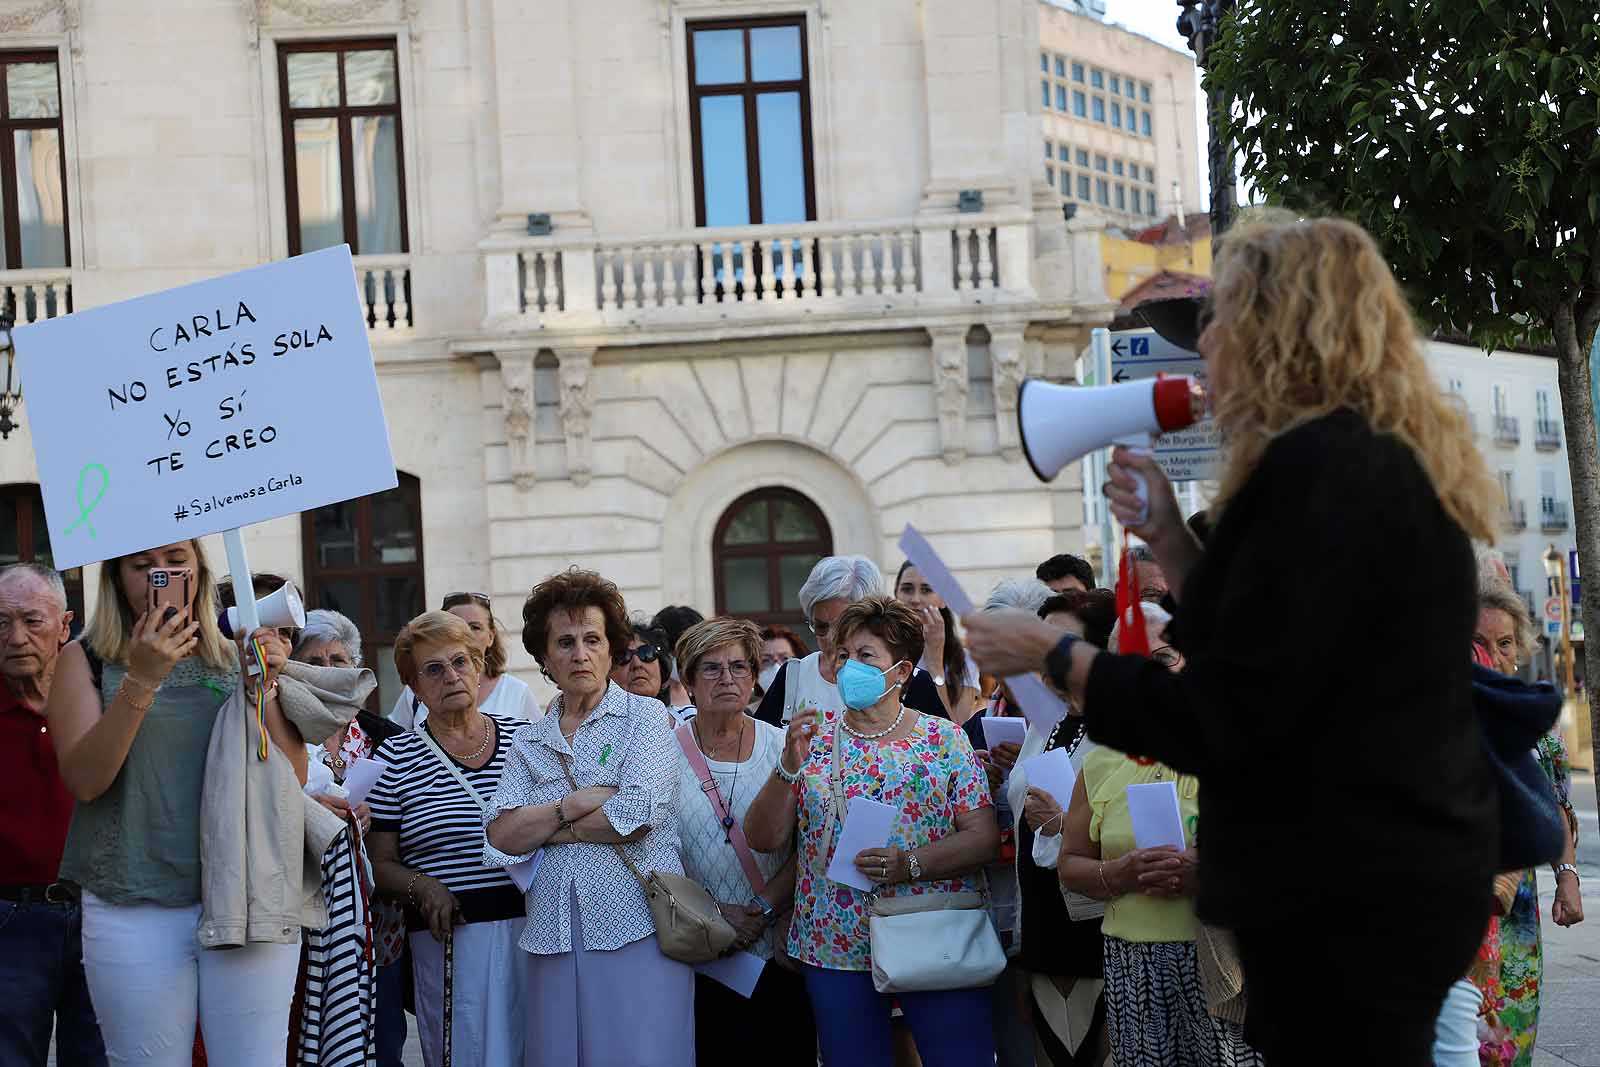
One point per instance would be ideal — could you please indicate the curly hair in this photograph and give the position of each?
(893, 623)
(1096, 609)
(1314, 321)
(435, 628)
(572, 591)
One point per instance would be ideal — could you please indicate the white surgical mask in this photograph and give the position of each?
(768, 675)
(1047, 850)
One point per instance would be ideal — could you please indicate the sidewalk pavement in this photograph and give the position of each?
(1569, 1022)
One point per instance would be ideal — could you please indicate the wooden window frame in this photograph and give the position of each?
(11, 221)
(750, 91)
(367, 575)
(770, 550)
(22, 495)
(342, 114)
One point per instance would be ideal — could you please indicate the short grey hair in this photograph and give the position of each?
(324, 625)
(1025, 594)
(49, 576)
(849, 578)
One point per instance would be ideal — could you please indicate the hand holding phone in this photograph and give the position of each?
(169, 587)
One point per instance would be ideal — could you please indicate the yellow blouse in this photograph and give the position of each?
(1134, 916)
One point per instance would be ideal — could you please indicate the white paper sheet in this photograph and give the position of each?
(525, 872)
(361, 777)
(1157, 819)
(866, 825)
(739, 972)
(1052, 772)
(998, 729)
(1042, 708)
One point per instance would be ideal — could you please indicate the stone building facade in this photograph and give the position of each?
(687, 291)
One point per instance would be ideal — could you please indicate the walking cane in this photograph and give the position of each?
(449, 989)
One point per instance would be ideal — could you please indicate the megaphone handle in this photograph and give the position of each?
(1144, 496)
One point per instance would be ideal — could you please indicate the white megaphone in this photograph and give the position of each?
(281, 607)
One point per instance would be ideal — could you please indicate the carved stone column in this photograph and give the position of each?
(1009, 367)
(949, 358)
(517, 402)
(577, 406)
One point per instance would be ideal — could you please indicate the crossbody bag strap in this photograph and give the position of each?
(836, 811)
(708, 786)
(455, 772)
(621, 854)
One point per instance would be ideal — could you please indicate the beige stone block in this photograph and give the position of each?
(724, 388)
(571, 535)
(940, 511)
(803, 376)
(764, 391)
(627, 569)
(678, 390)
(902, 442)
(879, 410)
(648, 420)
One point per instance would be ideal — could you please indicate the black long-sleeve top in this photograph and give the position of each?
(1326, 705)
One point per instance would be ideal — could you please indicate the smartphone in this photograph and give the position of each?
(169, 587)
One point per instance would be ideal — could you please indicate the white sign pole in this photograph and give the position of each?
(244, 589)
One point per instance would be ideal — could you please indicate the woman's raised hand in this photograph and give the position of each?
(1164, 519)
(797, 740)
(160, 640)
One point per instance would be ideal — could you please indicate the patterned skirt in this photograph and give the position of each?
(1156, 1010)
(336, 1027)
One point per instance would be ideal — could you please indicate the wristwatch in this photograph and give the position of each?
(914, 867)
(1566, 867)
(767, 911)
(1058, 664)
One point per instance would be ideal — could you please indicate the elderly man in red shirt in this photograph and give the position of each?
(41, 955)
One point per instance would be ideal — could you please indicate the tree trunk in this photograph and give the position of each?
(1583, 462)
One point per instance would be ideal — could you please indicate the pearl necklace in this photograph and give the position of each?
(853, 732)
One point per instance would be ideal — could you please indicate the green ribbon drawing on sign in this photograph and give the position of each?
(85, 511)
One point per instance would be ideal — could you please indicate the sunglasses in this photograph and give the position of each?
(644, 653)
(465, 598)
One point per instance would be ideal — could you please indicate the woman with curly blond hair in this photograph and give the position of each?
(1348, 818)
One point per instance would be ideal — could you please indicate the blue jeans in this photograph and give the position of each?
(391, 1012)
(41, 972)
(952, 1028)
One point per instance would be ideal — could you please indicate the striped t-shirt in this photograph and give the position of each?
(440, 827)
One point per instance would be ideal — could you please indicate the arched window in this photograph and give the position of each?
(764, 548)
(24, 538)
(363, 558)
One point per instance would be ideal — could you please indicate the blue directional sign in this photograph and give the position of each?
(1186, 455)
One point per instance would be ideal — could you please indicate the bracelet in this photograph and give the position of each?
(1566, 867)
(913, 866)
(1105, 885)
(783, 772)
(767, 911)
(1058, 664)
(137, 694)
(414, 876)
(561, 819)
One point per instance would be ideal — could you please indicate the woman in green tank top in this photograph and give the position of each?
(131, 712)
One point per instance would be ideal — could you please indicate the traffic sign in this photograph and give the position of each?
(1552, 610)
(1185, 455)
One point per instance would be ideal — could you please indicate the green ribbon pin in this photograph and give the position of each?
(85, 512)
(605, 754)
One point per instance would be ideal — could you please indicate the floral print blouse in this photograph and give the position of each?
(931, 775)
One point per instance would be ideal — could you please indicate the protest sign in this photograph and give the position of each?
(204, 408)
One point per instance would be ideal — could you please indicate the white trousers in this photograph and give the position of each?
(490, 994)
(151, 981)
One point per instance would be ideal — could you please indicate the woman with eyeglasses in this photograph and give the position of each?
(644, 667)
(427, 845)
(726, 758)
(499, 693)
(595, 780)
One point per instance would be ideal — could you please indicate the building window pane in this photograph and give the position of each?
(1083, 187)
(1116, 84)
(718, 57)
(1044, 62)
(1151, 197)
(1116, 167)
(33, 195)
(1102, 191)
(1050, 175)
(1100, 163)
(32, 91)
(1099, 109)
(1116, 114)
(1122, 197)
(1044, 93)
(1063, 152)
(343, 166)
(762, 552)
(1078, 103)
(1144, 123)
(1061, 98)
(1061, 67)
(1129, 90)
(1049, 150)
(775, 54)
(767, 179)
(1082, 157)
(1077, 72)
(1144, 93)
(1066, 183)
(320, 188)
(1097, 78)
(1150, 175)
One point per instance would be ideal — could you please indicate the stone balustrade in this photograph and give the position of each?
(385, 286)
(36, 294)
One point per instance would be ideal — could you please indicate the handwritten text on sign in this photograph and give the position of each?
(203, 408)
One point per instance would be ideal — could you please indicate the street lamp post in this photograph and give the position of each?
(1555, 568)
(1200, 21)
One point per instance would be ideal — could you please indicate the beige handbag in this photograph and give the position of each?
(1221, 977)
(689, 928)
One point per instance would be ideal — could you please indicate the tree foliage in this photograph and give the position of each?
(1461, 133)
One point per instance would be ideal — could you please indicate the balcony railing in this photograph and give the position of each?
(36, 294)
(756, 273)
(385, 283)
(1516, 515)
(1546, 435)
(1553, 516)
(1507, 430)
